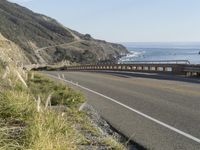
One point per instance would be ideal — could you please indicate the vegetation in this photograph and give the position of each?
(75, 56)
(31, 31)
(60, 94)
(28, 120)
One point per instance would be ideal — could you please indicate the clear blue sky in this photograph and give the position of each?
(126, 20)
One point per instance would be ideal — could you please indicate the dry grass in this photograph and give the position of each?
(22, 126)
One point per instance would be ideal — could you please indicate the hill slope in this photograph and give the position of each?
(32, 31)
(10, 52)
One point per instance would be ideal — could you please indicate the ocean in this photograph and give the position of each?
(163, 51)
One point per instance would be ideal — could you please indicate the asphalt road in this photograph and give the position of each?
(157, 112)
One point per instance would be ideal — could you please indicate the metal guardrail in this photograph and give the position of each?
(157, 62)
(192, 68)
(165, 68)
(174, 67)
(178, 67)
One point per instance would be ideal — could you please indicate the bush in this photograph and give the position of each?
(61, 94)
(23, 127)
(16, 105)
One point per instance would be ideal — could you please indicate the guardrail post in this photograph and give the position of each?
(166, 69)
(178, 69)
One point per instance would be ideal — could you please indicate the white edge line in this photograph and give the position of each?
(134, 110)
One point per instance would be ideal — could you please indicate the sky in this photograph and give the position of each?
(126, 20)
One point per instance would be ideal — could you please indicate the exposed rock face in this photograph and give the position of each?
(10, 52)
(31, 32)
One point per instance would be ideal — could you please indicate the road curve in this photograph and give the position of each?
(158, 114)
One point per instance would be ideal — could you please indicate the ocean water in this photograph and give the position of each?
(159, 52)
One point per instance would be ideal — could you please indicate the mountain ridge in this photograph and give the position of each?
(32, 31)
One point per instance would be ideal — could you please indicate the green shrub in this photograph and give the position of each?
(61, 94)
(49, 130)
(16, 105)
(17, 109)
(23, 127)
(39, 130)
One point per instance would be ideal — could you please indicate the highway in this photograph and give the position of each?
(156, 112)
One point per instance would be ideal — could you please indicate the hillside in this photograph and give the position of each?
(10, 52)
(32, 31)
